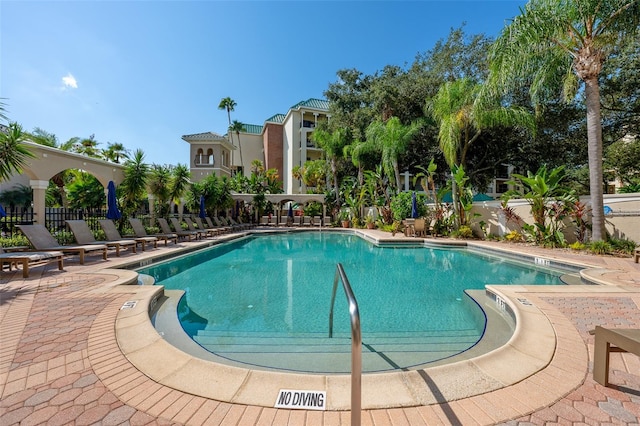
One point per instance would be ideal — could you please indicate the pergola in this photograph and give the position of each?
(280, 199)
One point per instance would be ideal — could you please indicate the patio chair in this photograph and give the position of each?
(200, 230)
(285, 220)
(636, 255)
(420, 228)
(84, 235)
(211, 230)
(42, 240)
(140, 232)
(264, 221)
(306, 221)
(215, 223)
(112, 233)
(164, 226)
(27, 258)
(609, 340)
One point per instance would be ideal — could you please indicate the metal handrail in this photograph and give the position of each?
(356, 342)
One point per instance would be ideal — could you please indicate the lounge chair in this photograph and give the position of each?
(226, 222)
(27, 258)
(217, 225)
(239, 225)
(177, 225)
(140, 232)
(285, 220)
(636, 255)
(42, 240)
(306, 221)
(112, 233)
(84, 235)
(192, 227)
(211, 230)
(609, 340)
(164, 226)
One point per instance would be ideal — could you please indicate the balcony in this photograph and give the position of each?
(203, 161)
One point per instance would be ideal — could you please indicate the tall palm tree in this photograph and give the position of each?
(462, 112)
(134, 186)
(229, 105)
(13, 153)
(237, 127)
(392, 138)
(332, 143)
(159, 186)
(553, 45)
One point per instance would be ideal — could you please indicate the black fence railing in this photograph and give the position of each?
(15, 216)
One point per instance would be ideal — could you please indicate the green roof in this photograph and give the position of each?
(252, 128)
(313, 103)
(278, 118)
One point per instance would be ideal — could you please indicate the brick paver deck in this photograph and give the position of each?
(60, 362)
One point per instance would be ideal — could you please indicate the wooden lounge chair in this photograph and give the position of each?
(237, 225)
(420, 228)
(27, 258)
(228, 223)
(112, 233)
(140, 232)
(636, 255)
(41, 239)
(609, 340)
(192, 227)
(164, 226)
(217, 225)
(186, 232)
(211, 230)
(84, 235)
(306, 221)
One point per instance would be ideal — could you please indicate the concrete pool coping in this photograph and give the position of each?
(533, 349)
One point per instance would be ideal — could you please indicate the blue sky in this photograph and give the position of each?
(144, 73)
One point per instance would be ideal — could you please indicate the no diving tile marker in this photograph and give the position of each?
(301, 399)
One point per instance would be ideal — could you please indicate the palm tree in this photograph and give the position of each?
(238, 127)
(462, 112)
(180, 181)
(114, 152)
(13, 153)
(229, 105)
(159, 187)
(134, 185)
(332, 143)
(392, 138)
(555, 45)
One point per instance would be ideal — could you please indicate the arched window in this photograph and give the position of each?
(199, 155)
(210, 156)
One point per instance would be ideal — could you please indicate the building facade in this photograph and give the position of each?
(282, 142)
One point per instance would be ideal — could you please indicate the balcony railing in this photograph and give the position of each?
(204, 161)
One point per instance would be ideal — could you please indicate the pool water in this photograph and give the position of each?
(259, 299)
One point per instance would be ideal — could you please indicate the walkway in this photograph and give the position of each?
(60, 362)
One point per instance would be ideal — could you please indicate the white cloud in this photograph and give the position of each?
(69, 81)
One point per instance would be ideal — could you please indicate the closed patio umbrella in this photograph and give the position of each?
(414, 205)
(112, 203)
(290, 210)
(2, 212)
(202, 214)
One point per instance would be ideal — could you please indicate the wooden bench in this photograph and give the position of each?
(609, 340)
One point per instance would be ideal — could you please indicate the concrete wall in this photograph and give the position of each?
(623, 221)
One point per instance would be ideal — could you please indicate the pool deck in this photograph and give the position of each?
(63, 340)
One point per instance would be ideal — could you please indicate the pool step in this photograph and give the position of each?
(283, 343)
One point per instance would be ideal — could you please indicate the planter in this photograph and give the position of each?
(371, 225)
(345, 223)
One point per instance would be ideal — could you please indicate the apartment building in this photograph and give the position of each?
(281, 143)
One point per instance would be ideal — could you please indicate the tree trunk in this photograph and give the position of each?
(594, 140)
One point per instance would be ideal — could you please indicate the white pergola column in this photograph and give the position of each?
(39, 191)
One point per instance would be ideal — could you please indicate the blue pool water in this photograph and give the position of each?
(255, 299)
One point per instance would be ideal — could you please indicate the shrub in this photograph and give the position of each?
(15, 241)
(622, 246)
(578, 246)
(514, 236)
(464, 231)
(600, 247)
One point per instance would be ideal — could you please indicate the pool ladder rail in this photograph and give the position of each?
(356, 342)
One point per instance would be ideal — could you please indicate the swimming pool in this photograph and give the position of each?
(258, 300)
